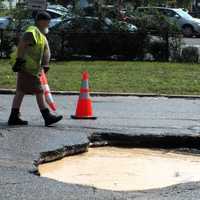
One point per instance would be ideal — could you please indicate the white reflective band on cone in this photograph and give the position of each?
(46, 87)
(49, 98)
(84, 95)
(85, 84)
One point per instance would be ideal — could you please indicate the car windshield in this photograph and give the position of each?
(58, 8)
(57, 12)
(184, 14)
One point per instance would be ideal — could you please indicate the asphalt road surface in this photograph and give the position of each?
(21, 146)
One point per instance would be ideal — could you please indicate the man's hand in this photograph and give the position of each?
(19, 65)
(46, 68)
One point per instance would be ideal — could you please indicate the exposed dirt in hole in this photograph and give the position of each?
(122, 169)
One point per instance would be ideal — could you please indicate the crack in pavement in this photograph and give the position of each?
(19, 183)
(5, 162)
(136, 127)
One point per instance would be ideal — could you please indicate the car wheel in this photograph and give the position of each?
(198, 35)
(188, 31)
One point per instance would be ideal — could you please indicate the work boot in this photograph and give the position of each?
(15, 119)
(49, 118)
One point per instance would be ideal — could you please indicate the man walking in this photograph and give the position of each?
(32, 57)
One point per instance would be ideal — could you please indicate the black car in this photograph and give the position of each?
(93, 36)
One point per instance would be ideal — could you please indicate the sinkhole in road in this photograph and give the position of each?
(125, 169)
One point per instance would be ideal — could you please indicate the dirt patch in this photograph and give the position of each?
(123, 169)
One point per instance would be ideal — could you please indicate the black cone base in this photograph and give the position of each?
(83, 118)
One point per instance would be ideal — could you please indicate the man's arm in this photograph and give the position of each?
(25, 41)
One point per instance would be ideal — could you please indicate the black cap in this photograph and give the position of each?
(43, 16)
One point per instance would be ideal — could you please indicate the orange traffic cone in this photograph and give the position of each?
(47, 92)
(84, 106)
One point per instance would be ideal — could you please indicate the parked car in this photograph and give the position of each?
(6, 23)
(12, 29)
(92, 36)
(60, 8)
(189, 25)
(57, 13)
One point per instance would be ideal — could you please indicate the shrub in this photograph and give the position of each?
(7, 43)
(190, 54)
(169, 35)
(158, 50)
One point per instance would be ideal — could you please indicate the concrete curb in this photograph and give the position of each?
(112, 94)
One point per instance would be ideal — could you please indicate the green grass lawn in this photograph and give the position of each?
(111, 76)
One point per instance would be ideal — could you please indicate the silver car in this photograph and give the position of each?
(189, 25)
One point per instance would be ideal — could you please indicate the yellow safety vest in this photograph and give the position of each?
(34, 54)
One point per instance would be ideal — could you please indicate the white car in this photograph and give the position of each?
(189, 25)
